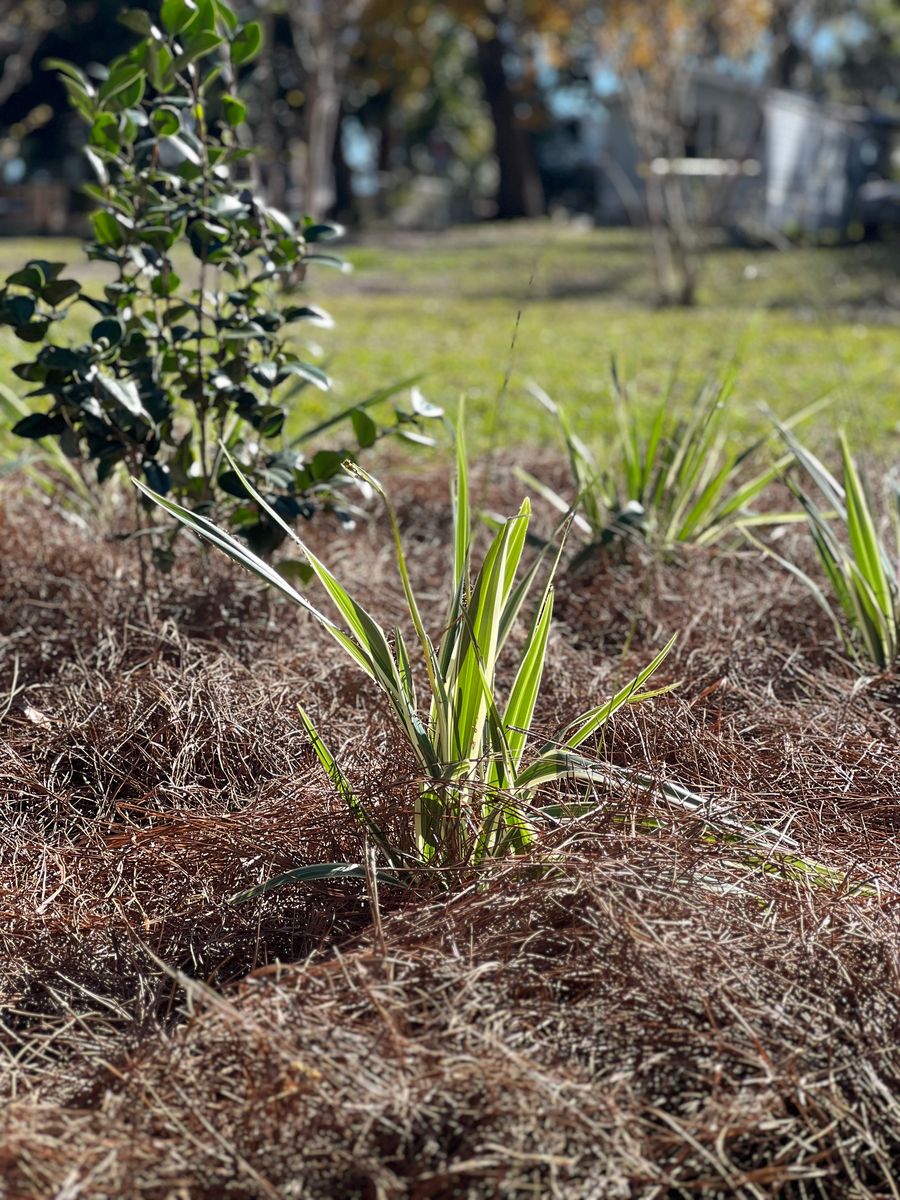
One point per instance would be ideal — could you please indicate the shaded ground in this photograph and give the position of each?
(642, 1009)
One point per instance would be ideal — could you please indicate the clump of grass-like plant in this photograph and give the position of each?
(478, 782)
(860, 566)
(672, 480)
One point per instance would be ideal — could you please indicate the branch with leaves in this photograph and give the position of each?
(174, 367)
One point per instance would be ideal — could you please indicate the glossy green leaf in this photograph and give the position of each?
(332, 261)
(17, 310)
(39, 425)
(166, 284)
(68, 70)
(137, 20)
(197, 46)
(364, 428)
(123, 392)
(269, 420)
(34, 331)
(247, 43)
(309, 312)
(110, 332)
(31, 277)
(323, 231)
(308, 373)
(422, 407)
(177, 15)
(107, 229)
(225, 14)
(159, 64)
(97, 166)
(165, 121)
(122, 81)
(180, 151)
(234, 110)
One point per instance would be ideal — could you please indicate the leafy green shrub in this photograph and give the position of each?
(175, 367)
(674, 480)
(859, 565)
(476, 795)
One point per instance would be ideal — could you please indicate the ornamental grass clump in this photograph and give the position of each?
(477, 793)
(673, 480)
(859, 564)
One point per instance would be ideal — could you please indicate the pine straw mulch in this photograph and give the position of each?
(640, 1010)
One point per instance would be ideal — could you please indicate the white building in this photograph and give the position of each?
(755, 159)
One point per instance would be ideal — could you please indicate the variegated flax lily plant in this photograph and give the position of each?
(476, 795)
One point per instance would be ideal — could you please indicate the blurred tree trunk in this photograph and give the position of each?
(520, 192)
(655, 47)
(791, 63)
(383, 106)
(345, 209)
(786, 55)
(274, 160)
(323, 32)
(655, 117)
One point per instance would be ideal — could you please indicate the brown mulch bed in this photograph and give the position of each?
(642, 1009)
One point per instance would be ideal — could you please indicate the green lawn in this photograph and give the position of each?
(803, 322)
(481, 310)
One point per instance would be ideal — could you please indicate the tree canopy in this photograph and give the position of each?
(461, 82)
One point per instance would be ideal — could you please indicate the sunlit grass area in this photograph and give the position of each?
(481, 310)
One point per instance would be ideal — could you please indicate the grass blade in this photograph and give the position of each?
(527, 684)
(462, 517)
(327, 872)
(344, 788)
